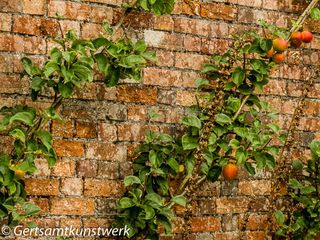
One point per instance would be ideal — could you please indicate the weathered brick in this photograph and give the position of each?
(35, 26)
(106, 151)
(72, 206)
(205, 224)
(37, 7)
(87, 168)
(6, 41)
(29, 44)
(232, 205)
(137, 94)
(68, 148)
(109, 170)
(67, 222)
(193, 26)
(42, 203)
(106, 188)
(80, 11)
(259, 235)
(164, 40)
(91, 30)
(189, 61)
(5, 21)
(71, 186)
(108, 132)
(163, 23)
(86, 130)
(42, 167)
(42, 187)
(13, 84)
(257, 222)
(137, 113)
(165, 58)
(186, 98)
(256, 187)
(111, 2)
(65, 168)
(162, 77)
(134, 132)
(227, 236)
(62, 129)
(11, 5)
(218, 11)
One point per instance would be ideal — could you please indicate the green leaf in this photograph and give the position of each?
(315, 13)
(173, 163)
(180, 200)
(133, 60)
(153, 159)
(214, 173)
(234, 143)
(66, 90)
(265, 44)
(27, 65)
(51, 113)
(125, 202)
(140, 46)
(150, 213)
(192, 121)
(50, 68)
(223, 119)
(25, 117)
(30, 208)
(190, 163)
(200, 82)
(189, 143)
(274, 127)
(207, 68)
(308, 190)
(45, 137)
(130, 180)
(150, 56)
(297, 165)
(280, 218)
(18, 134)
(153, 197)
(102, 63)
(238, 76)
(249, 168)
(241, 156)
(112, 77)
(315, 147)
(294, 183)
(212, 139)
(37, 83)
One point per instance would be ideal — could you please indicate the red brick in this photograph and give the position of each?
(193, 26)
(42, 167)
(6, 42)
(256, 187)
(162, 77)
(232, 205)
(42, 187)
(218, 11)
(111, 2)
(257, 222)
(11, 5)
(133, 132)
(62, 129)
(255, 235)
(71, 186)
(29, 44)
(94, 222)
(186, 98)
(72, 206)
(165, 58)
(106, 151)
(80, 11)
(65, 168)
(35, 26)
(137, 20)
(189, 61)
(163, 23)
(13, 84)
(37, 7)
(91, 30)
(86, 130)
(137, 94)
(164, 40)
(137, 113)
(42, 203)
(67, 222)
(68, 148)
(275, 87)
(5, 22)
(205, 224)
(227, 236)
(106, 188)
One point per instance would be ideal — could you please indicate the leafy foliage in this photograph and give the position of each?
(158, 7)
(70, 65)
(304, 221)
(242, 133)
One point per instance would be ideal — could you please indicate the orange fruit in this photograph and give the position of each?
(280, 45)
(19, 174)
(230, 171)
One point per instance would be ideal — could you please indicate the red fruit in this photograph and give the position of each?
(279, 58)
(306, 36)
(296, 39)
(270, 53)
(280, 45)
(230, 171)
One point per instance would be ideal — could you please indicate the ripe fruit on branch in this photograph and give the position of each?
(296, 39)
(230, 171)
(306, 36)
(280, 45)
(279, 58)
(270, 53)
(19, 174)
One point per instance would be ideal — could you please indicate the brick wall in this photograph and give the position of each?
(104, 125)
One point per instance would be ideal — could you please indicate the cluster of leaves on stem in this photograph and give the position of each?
(304, 221)
(158, 7)
(243, 133)
(70, 65)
